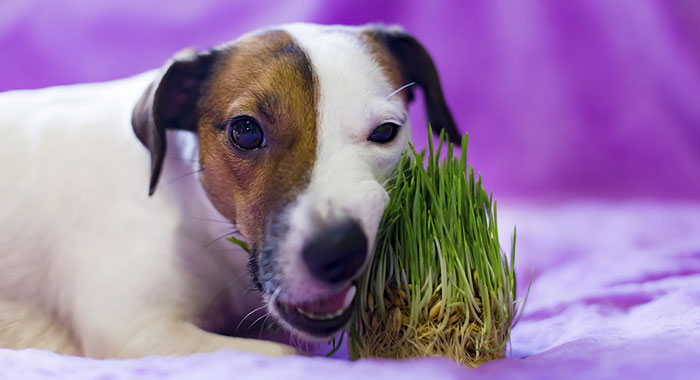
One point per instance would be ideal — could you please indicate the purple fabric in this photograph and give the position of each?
(616, 294)
(562, 100)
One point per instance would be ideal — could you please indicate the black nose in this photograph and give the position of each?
(336, 253)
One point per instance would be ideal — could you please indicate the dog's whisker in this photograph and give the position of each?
(267, 319)
(180, 177)
(226, 250)
(388, 181)
(248, 315)
(212, 242)
(183, 159)
(262, 325)
(211, 220)
(226, 233)
(258, 320)
(305, 346)
(267, 315)
(294, 341)
(400, 89)
(228, 285)
(227, 228)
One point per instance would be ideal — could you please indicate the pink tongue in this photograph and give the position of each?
(327, 305)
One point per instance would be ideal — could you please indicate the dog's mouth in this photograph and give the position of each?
(320, 317)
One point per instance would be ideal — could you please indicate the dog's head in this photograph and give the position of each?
(299, 128)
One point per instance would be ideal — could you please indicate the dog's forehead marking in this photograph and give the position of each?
(355, 76)
(267, 76)
(354, 73)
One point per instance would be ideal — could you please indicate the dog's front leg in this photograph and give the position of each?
(170, 338)
(130, 310)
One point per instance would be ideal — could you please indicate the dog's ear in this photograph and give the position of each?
(170, 102)
(417, 66)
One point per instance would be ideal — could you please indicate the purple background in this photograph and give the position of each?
(561, 99)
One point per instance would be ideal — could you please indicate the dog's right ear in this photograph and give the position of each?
(170, 102)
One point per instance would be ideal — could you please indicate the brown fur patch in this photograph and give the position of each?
(370, 38)
(268, 77)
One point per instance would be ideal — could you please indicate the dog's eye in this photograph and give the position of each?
(245, 133)
(384, 133)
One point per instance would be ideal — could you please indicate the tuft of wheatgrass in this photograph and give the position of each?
(439, 282)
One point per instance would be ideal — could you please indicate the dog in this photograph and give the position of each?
(285, 137)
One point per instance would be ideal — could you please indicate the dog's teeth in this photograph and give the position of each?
(305, 313)
(346, 303)
(348, 297)
(312, 315)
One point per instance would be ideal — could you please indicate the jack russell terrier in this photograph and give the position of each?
(291, 133)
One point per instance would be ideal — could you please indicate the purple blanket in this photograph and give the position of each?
(583, 117)
(615, 294)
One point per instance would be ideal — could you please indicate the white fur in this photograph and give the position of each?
(121, 274)
(349, 172)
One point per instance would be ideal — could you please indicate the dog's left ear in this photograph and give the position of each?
(417, 66)
(170, 102)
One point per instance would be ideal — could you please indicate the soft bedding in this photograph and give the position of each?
(615, 294)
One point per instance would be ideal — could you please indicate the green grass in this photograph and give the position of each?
(439, 282)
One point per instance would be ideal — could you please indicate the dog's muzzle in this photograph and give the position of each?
(334, 257)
